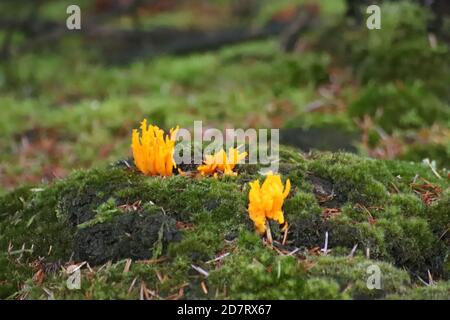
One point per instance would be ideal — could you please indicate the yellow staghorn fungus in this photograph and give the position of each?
(221, 162)
(266, 201)
(152, 152)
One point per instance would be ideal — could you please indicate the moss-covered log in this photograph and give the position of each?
(387, 213)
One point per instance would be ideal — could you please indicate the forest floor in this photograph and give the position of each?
(67, 199)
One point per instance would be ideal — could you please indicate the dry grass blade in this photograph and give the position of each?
(126, 269)
(132, 285)
(352, 253)
(325, 247)
(89, 267)
(179, 294)
(152, 293)
(49, 293)
(423, 281)
(141, 291)
(293, 252)
(285, 236)
(444, 233)
(218, 258)
(200, 270)
(153, 261)
(204, 288)
(430, 278)
(75, 267)
(269, 234)
(145, 293)
(161, 278)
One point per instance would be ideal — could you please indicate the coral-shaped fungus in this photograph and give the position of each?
(221, 162)
(266, 201)
(152, 151)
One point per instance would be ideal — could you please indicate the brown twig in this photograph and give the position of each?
(269, 234)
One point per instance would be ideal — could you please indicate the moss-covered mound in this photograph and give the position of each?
(190, 237)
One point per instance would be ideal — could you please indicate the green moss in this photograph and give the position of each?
(405, 173)
(309, 69)
(14, 202)
(400, 50)
(30, 219)
(412, 244)
(438, 216)
(352, 274)
(436, 152)
(398, 228)
(419, 108)
(359, 180)
(408, 242)
(135, 235)
(309, 230)
(106, 211)
(13, 273)
(111, 282)
(262, 276)
(323, 289)
(290, 156)
(301, 204)
(409, 205)
(437, 291)
(199, 244)
(84, 191)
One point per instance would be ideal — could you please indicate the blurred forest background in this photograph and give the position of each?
(69, 99)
